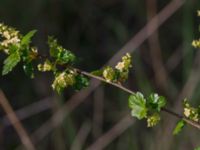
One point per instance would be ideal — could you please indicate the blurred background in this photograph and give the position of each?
(95, 30)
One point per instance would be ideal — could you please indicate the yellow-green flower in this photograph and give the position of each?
(109, 74)
(125, 64)
(196, 43)
(10, 37)
(187, 112)
(191, 112)
(153, 120)
(63, 80)
(47, 66)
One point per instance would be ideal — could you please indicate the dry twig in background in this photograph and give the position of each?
(16, 123)
(81, 136)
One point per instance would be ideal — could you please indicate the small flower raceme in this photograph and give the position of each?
(109, 74)
(153, 120)
(63, 80)
(120, 72)
(196, 43)
(10, 37)
(191, 112)
(125, 64)
(47, 66)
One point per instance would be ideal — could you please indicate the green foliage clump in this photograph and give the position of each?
(63, 80)
(149, 108)
(68, 77)
(156, 102)
(61, 55)
(18, 48)
(80, 82)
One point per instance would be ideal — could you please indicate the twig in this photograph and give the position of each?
(131, 92)
(16, 123)
(192, 123)
(98, 115)
(81, 136)
(30, 110)
(186, 91)
(103, 80)
(151, 27)
(131, 46)
(113, 133)
(160, 73)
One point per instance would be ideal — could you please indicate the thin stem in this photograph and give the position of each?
(24, 137)
(103, 80)
(192, 123)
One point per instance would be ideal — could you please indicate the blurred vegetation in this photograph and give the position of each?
(95, 31)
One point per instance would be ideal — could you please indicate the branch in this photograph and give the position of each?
(130, 46)
(16, 123)
(192, 123)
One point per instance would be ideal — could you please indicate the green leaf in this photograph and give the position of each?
(13, 48)
(66, 56)
(61, 54)
(53, 46)
(27, 38)
(28, 69)
(10, 62)
(179, 127)
(137, 103)
(156, 102)
(81, 82)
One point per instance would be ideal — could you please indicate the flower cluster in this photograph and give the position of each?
(47, 66)
(18, 48)
(125, 64)
(63, 80)
(62, 55)
(120, 72)
(148, 108)
(153, 120)
(109, 74)
(10, 37)
(196, 43)
(62, 58)
(191, 112)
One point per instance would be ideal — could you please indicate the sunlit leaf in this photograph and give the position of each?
(137, 103)
(27, 38)
(10, 62)
(156, 102)
(179, 127)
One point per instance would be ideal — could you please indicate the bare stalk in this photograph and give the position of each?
(16, 123)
